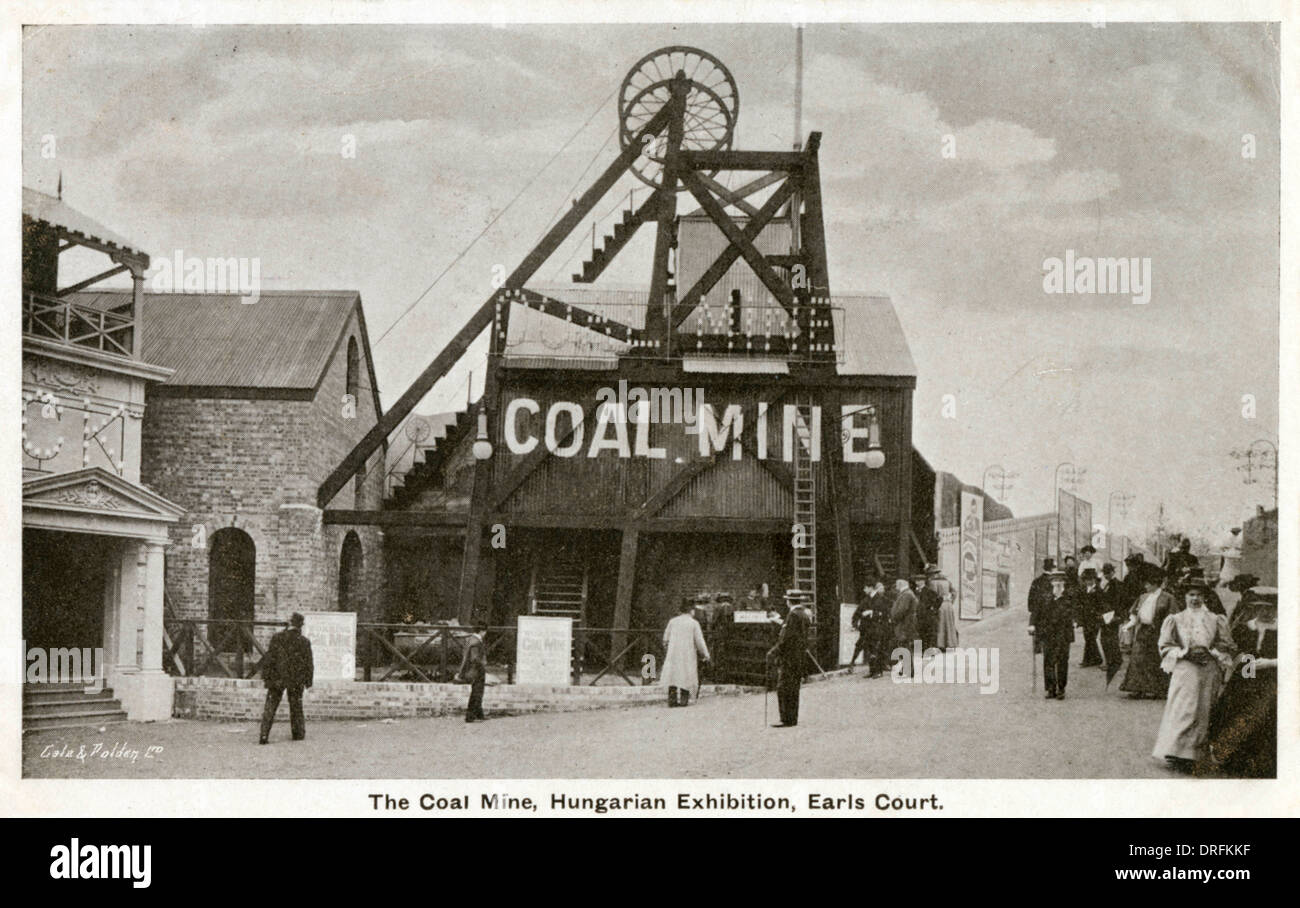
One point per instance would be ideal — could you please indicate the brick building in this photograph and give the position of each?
(264, 399)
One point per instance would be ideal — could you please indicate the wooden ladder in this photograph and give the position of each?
(805, 495)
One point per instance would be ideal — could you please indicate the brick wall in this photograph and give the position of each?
(255, 464)
(236, 700)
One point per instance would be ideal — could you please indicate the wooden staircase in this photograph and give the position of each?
(558, 587)
(47, 706)
(613, 243)
(427, 471)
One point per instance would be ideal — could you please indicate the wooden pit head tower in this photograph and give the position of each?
(738, 303)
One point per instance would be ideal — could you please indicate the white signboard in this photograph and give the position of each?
(333, 637)
(750, 616)
(544, 650)
(848, 633)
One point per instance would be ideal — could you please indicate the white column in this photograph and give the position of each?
(151, 659)
(130, 579)
(140, 683)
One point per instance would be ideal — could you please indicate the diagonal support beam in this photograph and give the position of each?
(483, 317)
(729, 255)
(741, 243)
(583, 318)
(82, 285)
(731, 198)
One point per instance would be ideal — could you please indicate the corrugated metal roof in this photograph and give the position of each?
(284, 340)
(866, 326)
(41, 207)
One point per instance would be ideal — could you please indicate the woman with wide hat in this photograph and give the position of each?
(1194, 649)
(1144, 677)
(1243, 725)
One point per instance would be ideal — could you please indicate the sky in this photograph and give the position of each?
(956, 160)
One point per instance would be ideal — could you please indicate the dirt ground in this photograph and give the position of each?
(849, 727)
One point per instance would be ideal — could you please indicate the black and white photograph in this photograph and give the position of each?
(654, 399)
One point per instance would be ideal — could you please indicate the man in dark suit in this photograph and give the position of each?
(287, 666)
(1112, 604)
(473, 671)
(904, 617)
(928, 603)
(1040, 589)
(789, 654)
(1092, 605)
(1052, 624)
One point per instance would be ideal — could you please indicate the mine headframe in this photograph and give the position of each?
(677, 117)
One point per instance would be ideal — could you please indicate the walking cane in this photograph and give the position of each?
(1033, 662)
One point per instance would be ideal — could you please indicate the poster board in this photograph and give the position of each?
(544, 651)
(972, 534)
(848, 633)
(333, 637)
(1066, 542)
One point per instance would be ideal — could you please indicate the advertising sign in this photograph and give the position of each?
(972, 533)
(544, 650)
(333, 637)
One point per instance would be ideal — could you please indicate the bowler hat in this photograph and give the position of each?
(1087, 550)
(296, 619)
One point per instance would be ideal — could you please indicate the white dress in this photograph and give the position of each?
(1193, 688)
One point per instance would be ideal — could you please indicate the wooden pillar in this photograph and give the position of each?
(905, 489)
(626, 582)
(137, 311)
(478, 570)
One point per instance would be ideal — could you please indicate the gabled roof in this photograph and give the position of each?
(94, 490)
(284, 341)
(55, 212)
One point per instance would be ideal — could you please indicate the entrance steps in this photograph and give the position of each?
(47, 706)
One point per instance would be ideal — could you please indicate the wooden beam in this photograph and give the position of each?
(744, 160)
(832, 447)
(727, 258)
(82, 285)
(339, 516)
(581, 317)
(814, 224)
(727, 195)
(626, 583)
(736, 237)
(456, 348)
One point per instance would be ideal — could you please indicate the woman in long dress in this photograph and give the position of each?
(1144, 677)
(947, 636)
(1194, 648)
(1243, 724)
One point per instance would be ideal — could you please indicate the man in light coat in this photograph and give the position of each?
(684, 645)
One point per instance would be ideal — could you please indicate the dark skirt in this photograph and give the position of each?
(1144, 675)
(1243, 728)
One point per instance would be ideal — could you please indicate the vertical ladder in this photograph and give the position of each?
(805, 497)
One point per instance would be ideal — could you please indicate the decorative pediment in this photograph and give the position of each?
(96, 489)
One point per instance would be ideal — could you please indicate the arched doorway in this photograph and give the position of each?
(232, 568)
(350, 563)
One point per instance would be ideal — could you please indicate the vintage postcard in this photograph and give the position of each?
(547, 409)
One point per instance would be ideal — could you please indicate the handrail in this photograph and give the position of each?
(60, 319)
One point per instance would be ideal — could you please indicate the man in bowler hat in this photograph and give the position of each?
(287, 666)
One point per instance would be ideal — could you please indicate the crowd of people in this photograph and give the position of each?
(1215, 672)
(920, 613)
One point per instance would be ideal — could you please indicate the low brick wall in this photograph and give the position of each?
(231, 699)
